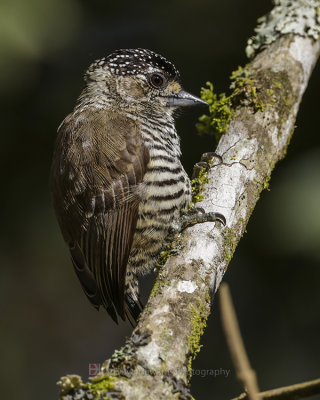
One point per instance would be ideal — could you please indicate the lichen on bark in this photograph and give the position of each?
(299, 17)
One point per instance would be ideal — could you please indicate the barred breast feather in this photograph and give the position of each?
(167, 191)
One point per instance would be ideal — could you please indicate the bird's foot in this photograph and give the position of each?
(195, 215)
(206, 160)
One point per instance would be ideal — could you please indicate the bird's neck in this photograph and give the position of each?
(158, 130)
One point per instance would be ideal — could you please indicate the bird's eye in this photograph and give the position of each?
(156, 80)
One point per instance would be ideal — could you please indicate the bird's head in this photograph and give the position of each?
(138, 80)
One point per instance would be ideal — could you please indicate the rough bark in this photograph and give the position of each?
(156, 360)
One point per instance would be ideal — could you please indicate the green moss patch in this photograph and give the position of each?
(198, 324)
(250, 89)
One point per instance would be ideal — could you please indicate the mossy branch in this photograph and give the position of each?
(258, 120)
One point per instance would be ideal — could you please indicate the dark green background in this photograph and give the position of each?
(48, 328)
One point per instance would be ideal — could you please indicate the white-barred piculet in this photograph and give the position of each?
(116, 179)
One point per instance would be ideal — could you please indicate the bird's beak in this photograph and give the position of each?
(183, 98)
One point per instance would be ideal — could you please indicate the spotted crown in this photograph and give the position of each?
(135, 61)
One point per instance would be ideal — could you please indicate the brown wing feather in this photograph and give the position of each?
(98, 165)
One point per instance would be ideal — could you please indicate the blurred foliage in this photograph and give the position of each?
(31, 31)
(296, 209)
(48, 326)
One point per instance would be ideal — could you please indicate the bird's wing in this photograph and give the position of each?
(99, 165)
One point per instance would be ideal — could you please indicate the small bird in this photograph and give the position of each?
(116, 179)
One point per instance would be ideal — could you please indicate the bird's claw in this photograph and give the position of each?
(212, 216)
(197, 218)
(207, 157)
(204, 163)
(197, 168)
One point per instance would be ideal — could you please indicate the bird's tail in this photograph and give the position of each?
(132, 307)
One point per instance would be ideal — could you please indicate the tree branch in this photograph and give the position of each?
(156, 360)
(297, 391)
(245, 373)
